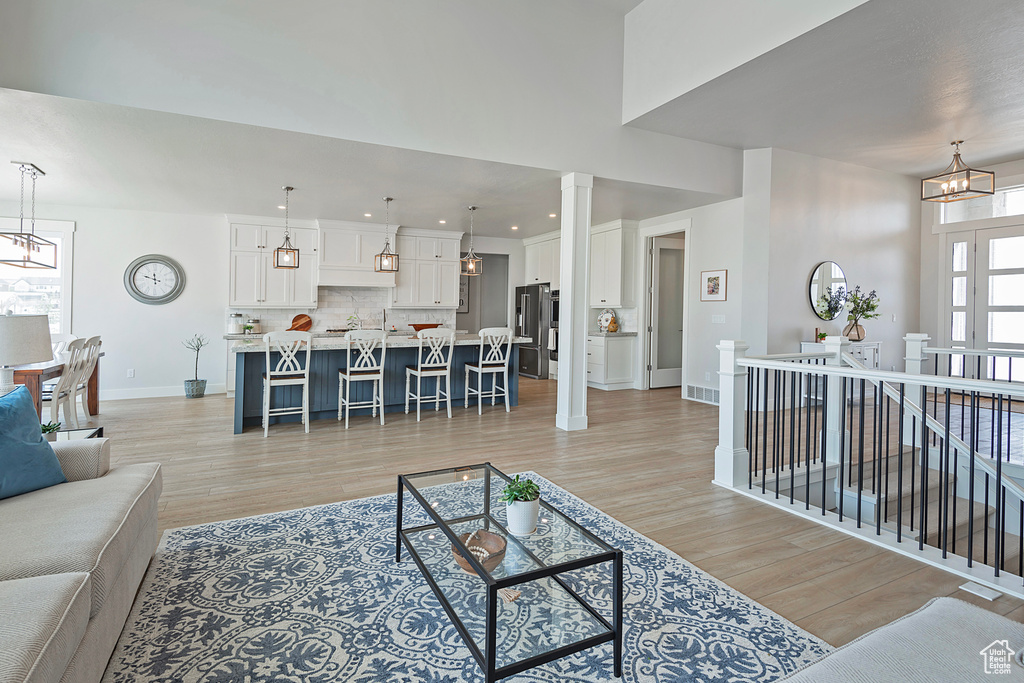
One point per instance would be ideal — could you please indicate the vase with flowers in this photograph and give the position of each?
(859, 306)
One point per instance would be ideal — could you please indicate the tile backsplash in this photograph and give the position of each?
(336, 304)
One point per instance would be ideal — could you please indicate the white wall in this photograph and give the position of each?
(531, 82)
(135, 335)
(713, 234)
(865, 220)
(516, 261)
(672, 47)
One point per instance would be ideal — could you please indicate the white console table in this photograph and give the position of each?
(868, 353)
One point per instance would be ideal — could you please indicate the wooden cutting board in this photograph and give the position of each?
(301, 323)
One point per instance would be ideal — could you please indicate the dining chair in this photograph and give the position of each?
(59, 342)
(291, 369)
(433, 359)
(361, 365)
(495, 350)
(62, 395)
(92, 355)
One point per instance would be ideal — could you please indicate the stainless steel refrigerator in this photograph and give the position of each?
(533, 304)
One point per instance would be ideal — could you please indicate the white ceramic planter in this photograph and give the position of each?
(522, 516)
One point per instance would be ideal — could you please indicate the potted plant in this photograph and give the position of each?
(195, 388)
(522, 505)
(859, 307)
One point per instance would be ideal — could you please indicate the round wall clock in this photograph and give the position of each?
(154, 279)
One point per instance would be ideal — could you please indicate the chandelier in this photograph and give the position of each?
(471, 264)
(958, 182)
(387, 260)
(26, 249)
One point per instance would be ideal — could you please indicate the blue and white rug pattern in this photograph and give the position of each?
(315, 595)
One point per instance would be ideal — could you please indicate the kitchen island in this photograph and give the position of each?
(328, 355)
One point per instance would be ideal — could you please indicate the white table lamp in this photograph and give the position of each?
(23, 339)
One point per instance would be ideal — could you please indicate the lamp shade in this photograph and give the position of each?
(24, 339)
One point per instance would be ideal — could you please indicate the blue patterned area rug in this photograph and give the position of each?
(314, 595)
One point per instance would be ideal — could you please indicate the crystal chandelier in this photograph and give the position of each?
(958, 182)
(26, 249)
(471, 263)
(286, 256)
(387, 260)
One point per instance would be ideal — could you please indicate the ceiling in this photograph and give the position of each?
(887, 85)
(110, 156)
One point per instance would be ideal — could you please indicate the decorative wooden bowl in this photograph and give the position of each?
(424, 326)
(492, 544)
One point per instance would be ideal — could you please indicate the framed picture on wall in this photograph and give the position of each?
(713, 285)
(463, 294)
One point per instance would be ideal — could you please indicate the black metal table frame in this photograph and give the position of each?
(487, 660)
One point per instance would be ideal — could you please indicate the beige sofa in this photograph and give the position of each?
(72, 557)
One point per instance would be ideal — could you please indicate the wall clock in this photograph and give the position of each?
(154, 279)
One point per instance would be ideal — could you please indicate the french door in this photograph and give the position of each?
(985, 296)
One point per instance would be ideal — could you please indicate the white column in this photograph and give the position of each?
(571, 413)
(837, 346)
(731, 454)
(916, 343)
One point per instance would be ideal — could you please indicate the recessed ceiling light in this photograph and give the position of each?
(515, 227)
(281, 206)
(442, 222)
(552, 215)
(368, 215)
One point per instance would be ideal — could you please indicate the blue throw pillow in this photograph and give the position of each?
(27, 462)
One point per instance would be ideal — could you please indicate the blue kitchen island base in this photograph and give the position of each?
(323, 384)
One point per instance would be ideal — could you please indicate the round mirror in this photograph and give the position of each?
(827, 290)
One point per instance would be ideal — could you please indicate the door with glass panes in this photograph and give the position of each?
(985, 298)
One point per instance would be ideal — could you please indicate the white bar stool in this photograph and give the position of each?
(495, 349)
(288, 371)
(365, 368)
(433, 360)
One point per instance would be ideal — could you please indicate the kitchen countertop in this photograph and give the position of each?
(611, 334)
(323, 335)
(254, 343)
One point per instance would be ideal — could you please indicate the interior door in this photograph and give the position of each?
(666, 313)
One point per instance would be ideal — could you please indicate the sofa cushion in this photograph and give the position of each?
(82, 526)
(42, 621)
(27, 462)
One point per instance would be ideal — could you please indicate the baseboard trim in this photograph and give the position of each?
(154, 392)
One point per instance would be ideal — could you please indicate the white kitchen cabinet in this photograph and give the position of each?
(612, 248)
(428, 273)
(346, 254)
(610, 362)
(543, 260)
(253, 280)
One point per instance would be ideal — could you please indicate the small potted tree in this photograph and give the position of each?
(522, 505)
(195, 388)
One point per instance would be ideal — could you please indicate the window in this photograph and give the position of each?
(1008, 201)
(35, 291)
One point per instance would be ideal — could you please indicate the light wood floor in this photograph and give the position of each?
(647, 460)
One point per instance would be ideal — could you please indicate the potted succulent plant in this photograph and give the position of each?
(522, 505)
(195, 388)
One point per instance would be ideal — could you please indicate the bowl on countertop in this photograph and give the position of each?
(424, 326)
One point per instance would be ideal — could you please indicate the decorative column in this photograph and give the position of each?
(836, 346)
(731, 454)
(571, 412)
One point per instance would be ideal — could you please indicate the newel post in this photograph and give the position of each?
(915, 359)
(836, 346)
(731, 455)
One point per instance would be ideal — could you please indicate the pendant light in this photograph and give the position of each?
(387, 260)
(471, 263)
(286, 256)
(958, 182)
(27, 249)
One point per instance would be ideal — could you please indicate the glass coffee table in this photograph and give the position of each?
(557, 610)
